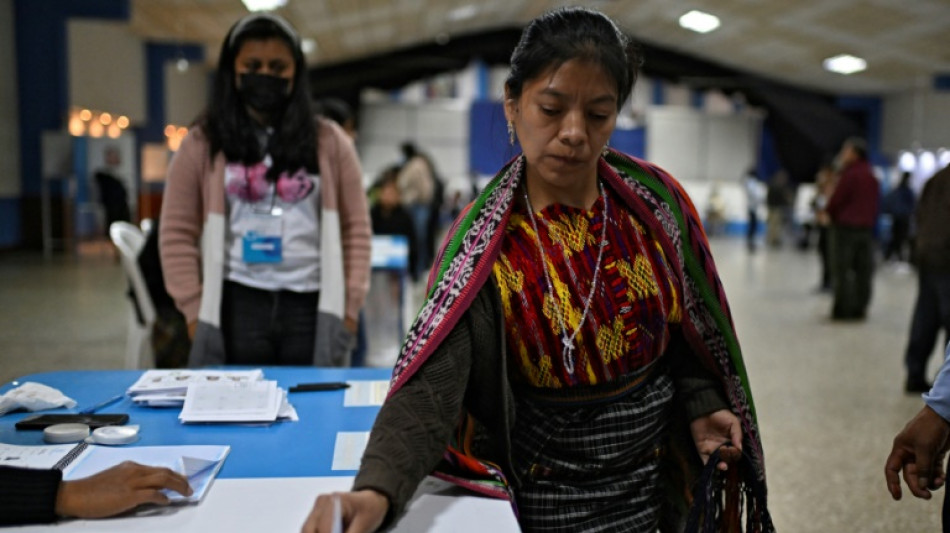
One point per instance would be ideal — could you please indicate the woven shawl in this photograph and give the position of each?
(660, 203)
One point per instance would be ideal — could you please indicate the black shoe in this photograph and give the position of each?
(916, 386)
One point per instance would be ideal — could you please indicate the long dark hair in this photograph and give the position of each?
(561, 35)
(229, 127)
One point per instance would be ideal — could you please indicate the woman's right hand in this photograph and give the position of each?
(361, 512)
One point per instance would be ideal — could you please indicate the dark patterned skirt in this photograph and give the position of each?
(592, 468)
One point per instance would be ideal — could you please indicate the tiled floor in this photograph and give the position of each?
(829, 396)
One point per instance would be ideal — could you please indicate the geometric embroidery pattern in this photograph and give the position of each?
(627, 322)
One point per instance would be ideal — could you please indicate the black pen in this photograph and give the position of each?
(101, 405)
(310, 387)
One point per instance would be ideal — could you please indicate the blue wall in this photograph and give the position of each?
(9, 222)
(43, 91)
(43, 95)
(873, 110)
(156, 55)
(489, 148)
(42, 70)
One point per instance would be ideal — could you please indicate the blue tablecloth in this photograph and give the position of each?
(284, 449)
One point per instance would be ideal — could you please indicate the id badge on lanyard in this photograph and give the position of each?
(263, 238)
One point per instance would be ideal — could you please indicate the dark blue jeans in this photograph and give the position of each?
(931, 314)
(268, 327)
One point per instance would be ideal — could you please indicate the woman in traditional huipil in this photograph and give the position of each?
(575, 334)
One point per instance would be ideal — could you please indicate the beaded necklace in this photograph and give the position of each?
(567, 341)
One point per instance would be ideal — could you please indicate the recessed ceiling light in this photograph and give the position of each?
(462, 13)
(845, 64)
(263, 5)
(699, 21)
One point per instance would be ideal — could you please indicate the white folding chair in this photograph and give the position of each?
(129, 239)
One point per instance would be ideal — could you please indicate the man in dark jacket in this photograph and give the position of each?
(853, 209)
(932, 255)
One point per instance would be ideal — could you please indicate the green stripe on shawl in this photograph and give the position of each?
(465, 224)
(710, 299)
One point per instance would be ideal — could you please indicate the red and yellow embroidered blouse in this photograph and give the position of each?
(636, 299)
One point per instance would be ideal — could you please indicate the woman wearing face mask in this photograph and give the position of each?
(264, 226)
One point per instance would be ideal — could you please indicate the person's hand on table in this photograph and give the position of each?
(118, 489)
(714, 430)
(918, 452)
(361, 512)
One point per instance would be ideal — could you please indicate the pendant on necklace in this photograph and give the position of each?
(567, 354)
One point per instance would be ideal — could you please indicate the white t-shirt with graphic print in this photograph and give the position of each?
(290, 208)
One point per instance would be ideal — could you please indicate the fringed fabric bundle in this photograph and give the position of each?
(719, 498)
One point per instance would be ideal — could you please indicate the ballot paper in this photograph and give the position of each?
(233, 401)
(167, 388)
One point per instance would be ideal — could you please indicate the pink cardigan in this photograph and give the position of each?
(193, 222)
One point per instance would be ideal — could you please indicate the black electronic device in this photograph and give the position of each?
(42, 421)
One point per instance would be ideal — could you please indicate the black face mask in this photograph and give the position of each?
(263, 93)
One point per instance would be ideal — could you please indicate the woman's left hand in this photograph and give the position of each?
(710, 432)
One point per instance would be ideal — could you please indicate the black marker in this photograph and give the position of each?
(311, 387)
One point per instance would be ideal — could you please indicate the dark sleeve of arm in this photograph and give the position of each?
(28, 496)
(700, 390)
(414, 425)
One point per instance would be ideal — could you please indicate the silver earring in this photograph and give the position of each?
(606, 149)
(511, 133)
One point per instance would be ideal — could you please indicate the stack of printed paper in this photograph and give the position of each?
(167, 388)
(236, 402)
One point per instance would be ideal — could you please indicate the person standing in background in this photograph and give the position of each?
(170, 341)
(932, 258)
(112, 191)
(389, 216)
(853, 210)
(417, 189)
(265, 233)
(899, 204)
(755, 198)
(778, 199)
(340, 112)
(825, 183)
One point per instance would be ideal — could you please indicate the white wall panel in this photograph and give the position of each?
(695, 146)
(675, 141)
(186, 93)
(916, 119)
(106, 68)
(731, 147)
(440, 129)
